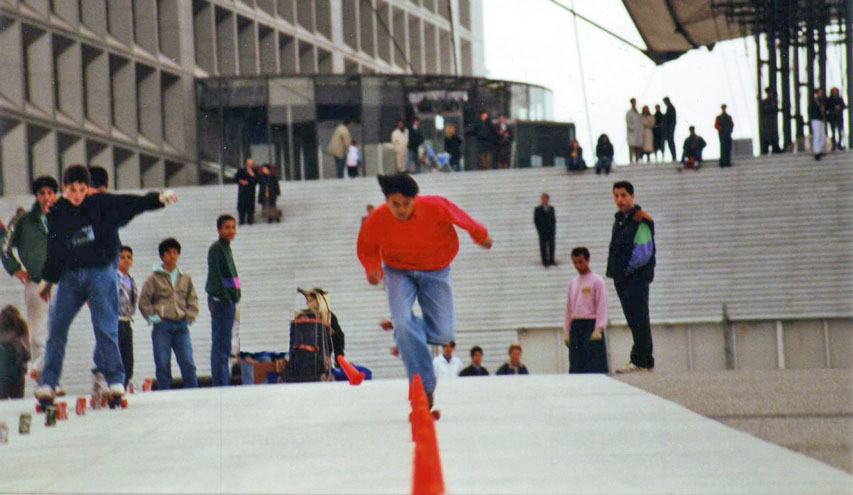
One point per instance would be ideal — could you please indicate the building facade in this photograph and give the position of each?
(112, 82)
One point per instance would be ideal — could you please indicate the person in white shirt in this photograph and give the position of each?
(353, 159)
(400, 143)
(446, 365)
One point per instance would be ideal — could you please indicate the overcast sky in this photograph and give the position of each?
(534, 41)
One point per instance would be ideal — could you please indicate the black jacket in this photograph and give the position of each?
(268, 183)
(622, 245)
(506, 369)
(817, 110)
(474, 371)
(669, 117)
(87, 235)
(453, 146)
(604, 150)
(487, 137)
(245, 194)
(835, 108)
(545, 221)
(416, 138)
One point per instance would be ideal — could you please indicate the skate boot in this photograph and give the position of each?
(100, 390)
(115, 396)
(44, 395)
(436, 414)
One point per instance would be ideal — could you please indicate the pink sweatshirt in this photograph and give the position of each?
(587, 301)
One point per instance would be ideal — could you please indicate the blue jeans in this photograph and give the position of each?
(339, 165)
(98, 286)
(97, 356)
(221, 322)
(603, 165)
(412, 157)
(166, 336)
(434, 292)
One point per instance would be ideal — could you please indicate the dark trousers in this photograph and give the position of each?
(546, 248)
(221, 322)
(125, 348)
(340, 165)
(634, 296)
(246, 214)
(485, 160)
(586, 356)
(725, 149)
(669, 136)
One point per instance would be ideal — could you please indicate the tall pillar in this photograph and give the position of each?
(784, 68)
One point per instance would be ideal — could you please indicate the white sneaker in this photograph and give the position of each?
(45, 392)
(117, 390)
(59, 390)
(632, 368)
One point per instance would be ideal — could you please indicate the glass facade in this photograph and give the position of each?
(288, 121)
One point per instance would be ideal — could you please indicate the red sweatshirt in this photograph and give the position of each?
(427, 241)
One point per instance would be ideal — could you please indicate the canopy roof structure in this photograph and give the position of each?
(670, 28)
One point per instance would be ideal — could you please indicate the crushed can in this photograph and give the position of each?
(80, 408)
(147, 385)
(50, 416)
(24, 423)
(4, 432)
(130, 388)
(62, 411)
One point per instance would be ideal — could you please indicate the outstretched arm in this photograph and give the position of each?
(479, 233)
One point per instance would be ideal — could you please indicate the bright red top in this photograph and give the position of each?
(427, 241)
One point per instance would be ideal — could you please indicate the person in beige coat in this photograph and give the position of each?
(400, 143)
(338, 146)
(169, 302)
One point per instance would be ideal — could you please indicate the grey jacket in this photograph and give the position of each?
(175, 303)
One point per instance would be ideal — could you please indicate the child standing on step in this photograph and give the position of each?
(169, 302)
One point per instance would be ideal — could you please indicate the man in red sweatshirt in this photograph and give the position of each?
(410, 242)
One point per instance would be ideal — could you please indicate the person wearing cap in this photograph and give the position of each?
(410, 242)
(27, 237)
(319, 306)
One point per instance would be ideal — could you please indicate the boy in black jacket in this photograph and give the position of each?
(82, 247)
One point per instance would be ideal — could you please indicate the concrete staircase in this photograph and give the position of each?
(769, 237)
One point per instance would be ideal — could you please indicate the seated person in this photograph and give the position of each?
(692, 155)
(320, 309)
(514, 366)
(574, 160)
(476, 368)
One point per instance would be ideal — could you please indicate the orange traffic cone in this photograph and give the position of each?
(355, 377)
(428, 478)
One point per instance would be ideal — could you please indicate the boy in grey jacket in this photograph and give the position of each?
(169, 302)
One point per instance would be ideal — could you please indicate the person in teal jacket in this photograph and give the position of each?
(27, 238)
(223, 294)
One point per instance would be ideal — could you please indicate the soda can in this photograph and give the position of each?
(50, 416)
(62, 411)
(80, 409)
(24, 424)
(4, 432)
(130, 388)
(147, 385)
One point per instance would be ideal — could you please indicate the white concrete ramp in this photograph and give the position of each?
(513, 435)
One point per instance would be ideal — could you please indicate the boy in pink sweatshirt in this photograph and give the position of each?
(586, 318)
